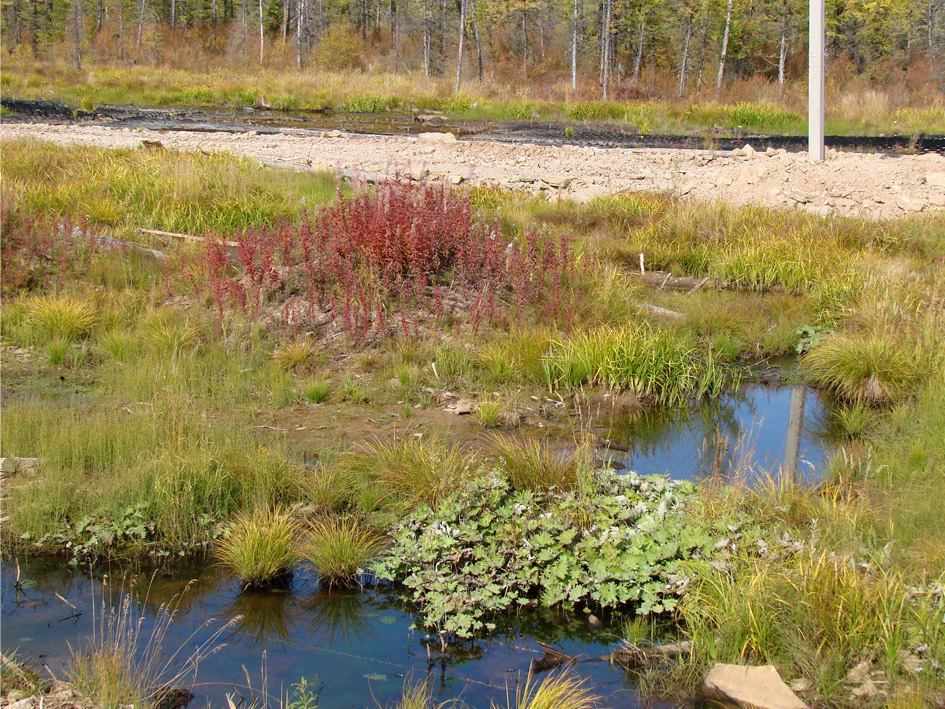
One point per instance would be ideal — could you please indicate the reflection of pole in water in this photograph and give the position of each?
(792, 454)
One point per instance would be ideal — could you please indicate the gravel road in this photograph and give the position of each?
(872, 186)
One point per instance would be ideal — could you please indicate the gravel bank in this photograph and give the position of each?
(872, 186)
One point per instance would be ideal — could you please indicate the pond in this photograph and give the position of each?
(749, 431)
(358, 646)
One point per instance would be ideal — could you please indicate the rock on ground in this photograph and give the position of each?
(872, 186)
(754, 687)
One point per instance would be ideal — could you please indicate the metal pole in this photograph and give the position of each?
(815, 83)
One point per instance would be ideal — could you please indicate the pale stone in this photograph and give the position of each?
(27, 703)
(436, 138)
(937, 199)
(860, 672)
(7, 465)
(758, 687)
(909, 204)
(589, 192)
(935, 179)
(27, 465)
(799, 685)
(748, 151)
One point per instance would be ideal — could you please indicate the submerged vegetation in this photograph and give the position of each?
(295, 397)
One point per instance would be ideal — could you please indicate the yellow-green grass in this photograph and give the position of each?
(531, 464)
(166, 190)
(410, 471)
(260, 546)
(559, 690)
(340, 548)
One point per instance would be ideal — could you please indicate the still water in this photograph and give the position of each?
(744, 432)
(358, 646)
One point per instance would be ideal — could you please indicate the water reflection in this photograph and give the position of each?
(757, 430)
(360, 644)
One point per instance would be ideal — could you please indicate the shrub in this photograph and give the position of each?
(340, 548)
(260, 547)
(383, 258)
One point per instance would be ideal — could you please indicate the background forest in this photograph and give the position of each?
(884, 54)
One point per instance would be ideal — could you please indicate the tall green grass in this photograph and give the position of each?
(168, 190)
(653, 363)
(160, 462)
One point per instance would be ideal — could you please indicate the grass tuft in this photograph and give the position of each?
(413, 471)
(318, 391)
(864, 367)
(295, 355)
(67, 319)
(564, 690)
(535, 465)
(340, 548)
(260, 547)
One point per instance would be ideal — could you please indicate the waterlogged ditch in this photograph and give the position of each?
(357, 646)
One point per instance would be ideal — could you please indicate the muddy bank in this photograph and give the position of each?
(875, 186)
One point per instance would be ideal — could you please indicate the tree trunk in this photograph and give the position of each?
(475, 23)
(574, 46)
(260, 33)
(285, 21)
(173, 14)
(121, 31)
(605, 54)
(685, 58)
(76, 33)
(459, 51)
(724, 53)
(524, 42)
(638, 60)
(140, 28)
(17, 38)
(299, 24)
(426, 38)
(782, 52)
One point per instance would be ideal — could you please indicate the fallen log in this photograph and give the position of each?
(110, 242)
(632, 655)
(662, 312)
(185, 237)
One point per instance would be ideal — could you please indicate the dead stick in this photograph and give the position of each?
(669, 275)
(698, 285)
(176, 235)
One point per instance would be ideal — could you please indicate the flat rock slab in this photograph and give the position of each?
(753, 687)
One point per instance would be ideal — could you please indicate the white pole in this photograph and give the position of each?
(815, 83)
